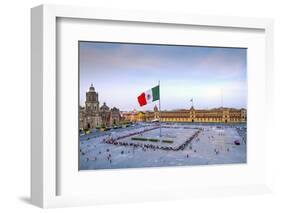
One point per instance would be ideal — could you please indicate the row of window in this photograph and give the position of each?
(200, 119)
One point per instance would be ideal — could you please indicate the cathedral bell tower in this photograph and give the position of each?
(92, 100)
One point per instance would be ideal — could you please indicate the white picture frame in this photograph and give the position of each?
(44, 150)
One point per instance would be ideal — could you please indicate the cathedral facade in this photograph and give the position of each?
(92, 115)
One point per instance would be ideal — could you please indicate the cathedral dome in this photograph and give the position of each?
(92, 88)
(104, 107)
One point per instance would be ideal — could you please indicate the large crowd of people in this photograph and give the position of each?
(117, 141)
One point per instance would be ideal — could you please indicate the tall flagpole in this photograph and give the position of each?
(159, 110)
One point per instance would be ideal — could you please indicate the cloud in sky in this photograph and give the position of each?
(120, 72)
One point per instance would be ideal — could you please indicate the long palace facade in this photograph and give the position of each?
(216, 115)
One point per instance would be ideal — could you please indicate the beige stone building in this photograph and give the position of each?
(217, 115)
(92, 115)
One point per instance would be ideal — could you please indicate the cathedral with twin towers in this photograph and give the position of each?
(92, 115)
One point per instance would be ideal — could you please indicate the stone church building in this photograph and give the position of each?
(92, 115)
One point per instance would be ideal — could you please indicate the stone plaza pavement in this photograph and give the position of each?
(213, 144)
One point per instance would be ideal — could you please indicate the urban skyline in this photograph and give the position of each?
(185, 72)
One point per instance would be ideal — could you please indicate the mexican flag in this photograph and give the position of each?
(149, 96)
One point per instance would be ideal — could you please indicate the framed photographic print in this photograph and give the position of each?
(127, 102)
(201, 120)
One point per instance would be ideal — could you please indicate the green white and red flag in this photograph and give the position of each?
(149, 96)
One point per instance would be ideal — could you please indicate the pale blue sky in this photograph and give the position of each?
(120, 72)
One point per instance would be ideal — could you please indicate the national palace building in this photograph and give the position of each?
(216, 115)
